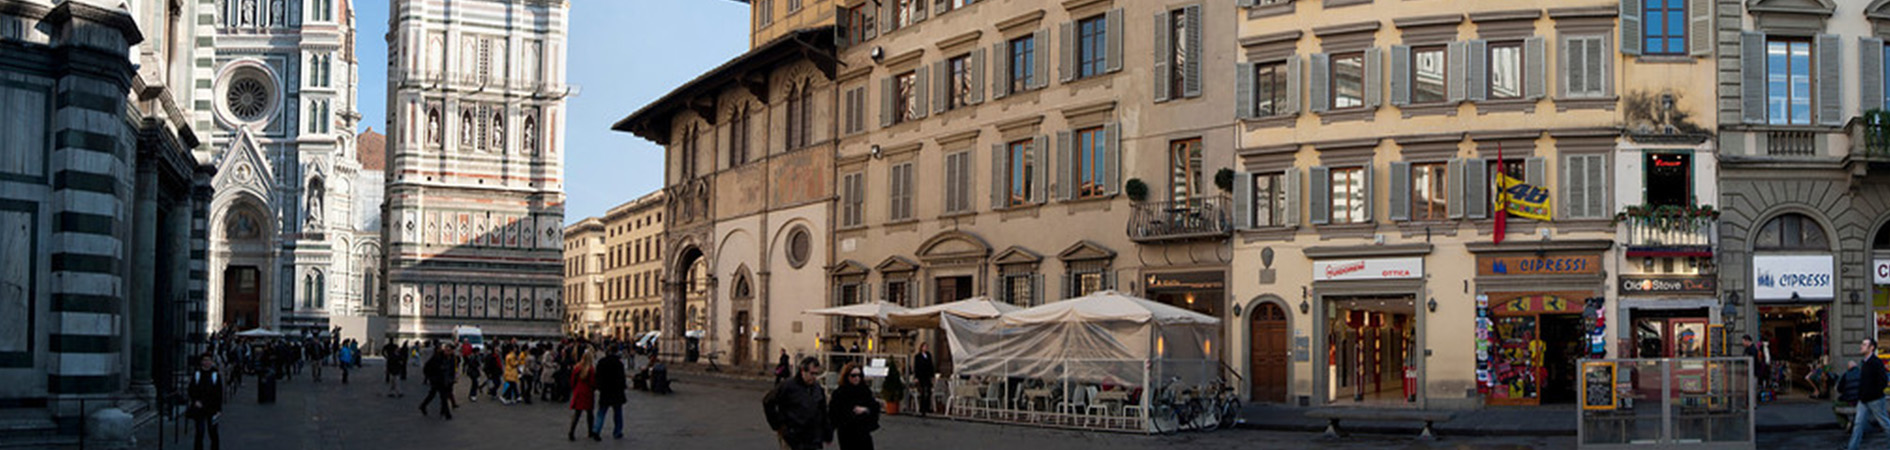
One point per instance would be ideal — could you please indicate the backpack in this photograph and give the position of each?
(1847, 385)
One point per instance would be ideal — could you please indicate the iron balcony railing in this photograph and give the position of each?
(1657, 231)
(1190, 218)
(1871, 134)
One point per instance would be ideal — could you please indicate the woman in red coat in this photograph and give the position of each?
(581, 395)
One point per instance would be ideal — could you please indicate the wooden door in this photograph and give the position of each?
(242, 297)
(742, 338)
(1268, 352)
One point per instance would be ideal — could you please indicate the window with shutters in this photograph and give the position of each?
(905, 102)
(1428, 74)
(1515, 168)
(1017, 284)
(1090, 147)
(1087, 276)
(1019, 173)
(1664, 27)
(793, 6)
(1269, 200)
(764, 13)
(1023, 57)
(738, 137)
(957, 182)
(1788, 81)
(1091, 45)
(1184, 169)
(899, 189)
(1348, 195)
(958, 84)
(1178, 49)
(909, 12)
(1348, 80)
(856, 110)
(1505, 70)
(1270, 89)
(1669, 179)
(1584, 69)
(860, 23)
(896, 292)
(851, 202)
(1430, 193)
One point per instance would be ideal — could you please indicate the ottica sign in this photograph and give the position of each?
(1368, 269)
(1779, 277)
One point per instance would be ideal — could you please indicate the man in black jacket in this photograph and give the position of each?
(797, 410)
(206, 401)
(610, 391)
(439, 377)
(1870, 384)
(924, 371)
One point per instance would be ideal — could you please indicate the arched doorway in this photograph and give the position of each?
(1794, 318)
(244, 232)
(686, 283)
(1268, 354)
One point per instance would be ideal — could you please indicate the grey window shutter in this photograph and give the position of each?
(1454, 71)
(1870, 72)
(1631, 27)
(1477, 71)
(999, 173)
(1830, 100)
(1752, 77)
(1535, 65)
(1193, 70)
(1000, 70)
(1374, 77)
(1453, 188)
(911, 180)
(1066, 184)
(1476, 189)
(1571, 62)
(870, 11)
(1112, 55)
(1319, 199)
(843, 22)
(887, 16)
(1291, 106)
(1066, 53)
(1370, 195)
(1400, 190)
(918, 11)
(1321, 83)
(1603, 71)
(941, 86)
(1595, 183)
(1700, 27)
(976, 72)
(895, 182)
(1039, 156)
(1289, 210)
(1164, 55)
(1400, 75)
(1111, 156)
(1243, 200)
(1536, 173)
(1243, 90)
(920, 81)
(1243, 3)
(1569, 191)
(885, 102)
(951, 183)
(1040, 67)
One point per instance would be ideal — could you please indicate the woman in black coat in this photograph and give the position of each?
(853, 410)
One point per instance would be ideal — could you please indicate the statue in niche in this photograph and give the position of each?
(315, 205)
(248, 13)
(275, 12)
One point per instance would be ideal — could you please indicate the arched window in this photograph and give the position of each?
(1791, 232)
(321, 290)
(738, 137)
(742, 289)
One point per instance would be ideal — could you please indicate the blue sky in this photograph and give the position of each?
(623, 54)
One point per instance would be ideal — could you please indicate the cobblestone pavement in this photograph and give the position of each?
(722, 416)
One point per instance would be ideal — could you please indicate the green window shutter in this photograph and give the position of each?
(1243, 200)
(1066, 53)
(1830, 71)
(1400, 190)
(1243, 90)
(1192, 88)
(842, 23)
(1111, 156)
(1631, 27)
(1453, 187)
(976, 71)
(1291, 105)
(1476, 189)
(1164, 55)
(1400, 75)
(1290, 208)
(999, 174)
(1000, 70)
(1319, 199)
(1752, 77)
(1041, 173)
(1535, 65)
(1066, 184)
(1321, 83)
(1477, 71)
(1112, 37)
(1870, 72)
(1454, 74)
(1374, 77)
(1700, 27)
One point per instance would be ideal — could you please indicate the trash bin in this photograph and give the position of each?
(266, 390)
(692, 349)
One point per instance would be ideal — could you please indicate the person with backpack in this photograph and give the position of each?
(473, 370)
(206, 401)
(1870, 384)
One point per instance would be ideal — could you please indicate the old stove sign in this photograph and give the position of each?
(1667, 285)
(1368, 269)
(1787, 277)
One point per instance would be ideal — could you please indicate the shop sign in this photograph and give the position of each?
(1783, 277)
(1668, 285)
(1368, 269)
(1186, 281)
(1539, 265)
(1881, 270)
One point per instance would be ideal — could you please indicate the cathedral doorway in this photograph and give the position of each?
(242, 297)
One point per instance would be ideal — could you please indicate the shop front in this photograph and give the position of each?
(1671, 316)
(1534, 332)
(1199, 291)
(1793, 294)
(1371, 319)
(1880, 290)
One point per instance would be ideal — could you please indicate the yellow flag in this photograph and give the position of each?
(1522, 199)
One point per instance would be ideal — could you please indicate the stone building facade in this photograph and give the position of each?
(632, 293)
(475, 194)
(584, 253)
(103, 207)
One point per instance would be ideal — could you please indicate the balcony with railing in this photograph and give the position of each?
(1791, 143)
(1191, 218)
(1870, 136)
(1670, 230)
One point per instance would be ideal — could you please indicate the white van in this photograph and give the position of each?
(471, 336)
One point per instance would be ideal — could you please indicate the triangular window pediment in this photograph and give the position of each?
(1086, 250)
(897, 264)
(848, 267)
(1822, 7)
(1016, 255)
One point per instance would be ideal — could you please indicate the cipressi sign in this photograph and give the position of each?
(1881, 271)
(1785, 277)
(1368, 269)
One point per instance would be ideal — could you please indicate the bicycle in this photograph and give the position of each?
(1225, 406)
(1174, 410)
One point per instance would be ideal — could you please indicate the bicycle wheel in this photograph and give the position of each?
(1165, 419)
(1197, 416)
(1230, 412)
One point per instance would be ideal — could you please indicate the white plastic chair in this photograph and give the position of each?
(1095, 408)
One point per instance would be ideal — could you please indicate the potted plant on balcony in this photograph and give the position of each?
(893, 390)
(1224, 179)
(1136, 189)
(1668, 217)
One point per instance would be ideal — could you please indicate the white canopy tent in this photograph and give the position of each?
(1106, 337)
(876, 311)
(928, 317)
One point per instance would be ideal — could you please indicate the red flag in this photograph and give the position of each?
(1502, 197)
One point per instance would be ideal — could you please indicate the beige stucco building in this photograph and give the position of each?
(584, 253)
(632, 270)
(1367, 156)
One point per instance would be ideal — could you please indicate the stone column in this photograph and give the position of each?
(143, 256)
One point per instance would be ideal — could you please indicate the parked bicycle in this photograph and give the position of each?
(1204, 409)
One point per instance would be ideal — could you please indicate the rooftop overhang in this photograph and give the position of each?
(748, 71)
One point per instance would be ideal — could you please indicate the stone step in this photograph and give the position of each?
(29, 428)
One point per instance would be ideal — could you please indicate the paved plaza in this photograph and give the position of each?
(723, 415)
